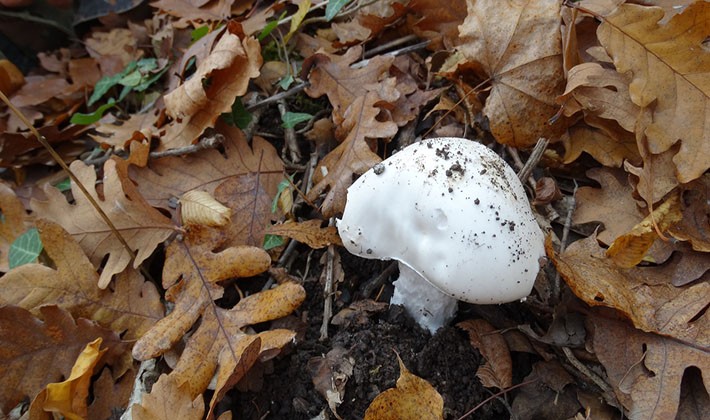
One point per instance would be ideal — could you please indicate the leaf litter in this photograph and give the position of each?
(239, 284)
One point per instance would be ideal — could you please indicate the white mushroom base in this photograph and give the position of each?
(431, 308)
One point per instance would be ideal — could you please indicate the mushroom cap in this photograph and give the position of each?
(453, 211)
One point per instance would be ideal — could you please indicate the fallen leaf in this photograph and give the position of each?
(13, 224)
(413, 398)
(368, 22)
(630, 248)
(695, 225)
(110, 395)
(195, 11)
(166, 179)
(142, 226)
(196, 104)
(607, 143)
(200, 208)
(309, 232)
(438, 24)
(518, 46)
(330, 374)
(497, 372)
(612, 204)
(677, 312)
(355, 95)
(657, 176)
(233, 364)
(69, 398)
(113, 49)
(671, 74)
(646, 369)
(168, 400)
(131, 308)
(34, 353)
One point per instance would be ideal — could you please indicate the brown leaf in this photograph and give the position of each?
(167, 178)
(670, 66)
(196, 105)
(695, 226)
(168, 400)
(137, 127)
(113, 49)
(200, 208)
(189, 11)
(604, 140)
(612, 204)
(330, 374)
(438, 24)
(630, 248)
(34, 353)
(233, 367)
(131, 308)
(413, 398)
(110, 395)
(356, 96)
(497, 372)
(645, 369)
(143, 227)
(14, 223)
(309, 232)
(369, 21)
(250, 205)
(519, 48)
(599, 91)
(678, 312)
(69, 398)
(657, 177)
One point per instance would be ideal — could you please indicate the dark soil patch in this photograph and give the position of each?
(446, 360)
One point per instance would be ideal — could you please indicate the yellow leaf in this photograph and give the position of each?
(297, 18)
(168, 400)
(413, 398)
(200, 208)
(68, 398)
(630, 249)
(671, 75)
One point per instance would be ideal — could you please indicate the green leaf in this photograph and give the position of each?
(333, 8)
(63, 185)
(291, 119)
(25, 249)
(273, 241)
(286, 81)
(239, 116)
(107, 82)
(198, 33)
(86, 119)
(149, 81)
(269, 27)
(281, 187)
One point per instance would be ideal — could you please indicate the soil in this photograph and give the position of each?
(283, 388)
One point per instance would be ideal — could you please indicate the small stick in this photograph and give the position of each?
(205, 143)
(369, 287)
(291, 149)
(328, 291)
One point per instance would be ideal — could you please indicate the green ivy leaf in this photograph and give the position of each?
(198, 33)
(333, 8)
(239, 116)
(291, 119)
(63, 185)
(273, 241)
(25, 249)
(86, 119)
(269, 27)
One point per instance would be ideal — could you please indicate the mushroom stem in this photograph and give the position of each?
(431, 308)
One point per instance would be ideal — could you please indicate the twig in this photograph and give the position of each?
(279, 96)
(534, 159)
(328, 290)
(608, 393)
(369, 287)
(291, 150)
(563, 242)
(496, 395)
(395, 53)
(395, 43)
(205, 143)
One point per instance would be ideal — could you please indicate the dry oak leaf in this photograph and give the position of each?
(657, 176)
(166, 179)
(647, 370)
(440, 25)
(612, 204)
(695, 226)
(13, 224)
(599, 91)
(604, 140)
(369, 21)
(196, 105)
(518, 44)
(120, 133)
(309, 232)
(142, 226)
(497, 372)
(195, 11)
(68, 399)
(200, 208)
(168, 400)
(34, 353)
(356, 96)
(413, 398)
(678, 312)
(630, 248)
(110, 395)
(131, 307)
(234, 363)
(671, 75)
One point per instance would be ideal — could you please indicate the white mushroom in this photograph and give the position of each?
(457, 219)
